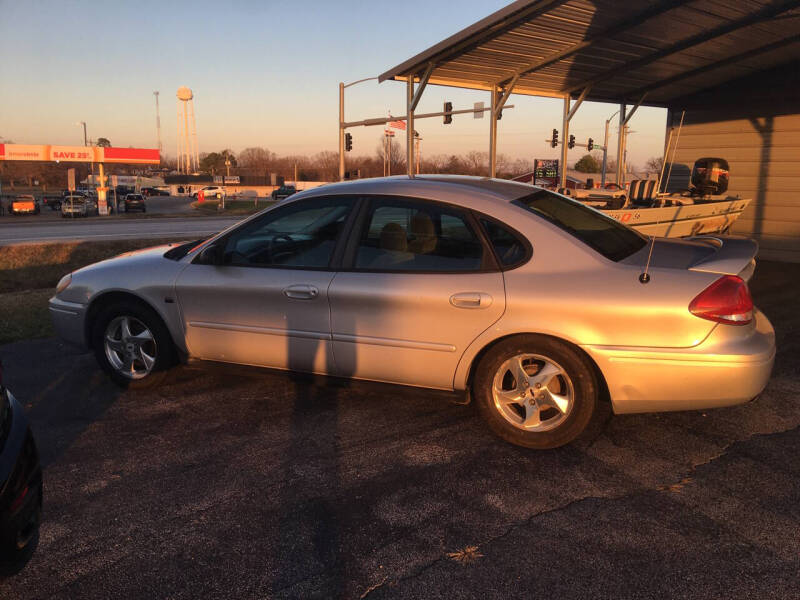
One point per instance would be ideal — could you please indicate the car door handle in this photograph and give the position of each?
(471, 300)
(301, 292)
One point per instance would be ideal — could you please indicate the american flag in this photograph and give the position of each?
(398, 124)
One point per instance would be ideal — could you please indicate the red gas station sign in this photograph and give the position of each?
(142, 156)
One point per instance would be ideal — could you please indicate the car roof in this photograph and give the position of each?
(434, 187)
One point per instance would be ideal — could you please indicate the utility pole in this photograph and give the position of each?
(158, 123)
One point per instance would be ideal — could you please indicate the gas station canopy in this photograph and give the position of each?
(615, 51)
(97, 154)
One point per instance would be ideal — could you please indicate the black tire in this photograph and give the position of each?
(577, 367)
(165, 350)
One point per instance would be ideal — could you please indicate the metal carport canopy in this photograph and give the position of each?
(629, 52)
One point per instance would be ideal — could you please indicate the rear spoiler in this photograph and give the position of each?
(734, 255)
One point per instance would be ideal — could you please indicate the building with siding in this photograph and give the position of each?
(754, 124)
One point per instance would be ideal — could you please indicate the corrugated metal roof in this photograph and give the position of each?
(668, 49)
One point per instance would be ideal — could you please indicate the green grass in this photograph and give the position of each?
(30, 272)
(232, 207)
(24, 315)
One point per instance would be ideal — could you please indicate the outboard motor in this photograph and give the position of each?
(709, 177)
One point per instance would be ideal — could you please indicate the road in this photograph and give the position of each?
(224, 486)
(98, 228)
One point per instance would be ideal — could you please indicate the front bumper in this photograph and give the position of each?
(68, 321)
(730, 367)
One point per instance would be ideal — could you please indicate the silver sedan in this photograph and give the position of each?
(531, 303)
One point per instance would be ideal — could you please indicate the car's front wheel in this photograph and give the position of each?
(536, 391)
(132, 345)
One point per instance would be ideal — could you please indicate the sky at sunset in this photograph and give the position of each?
(263, 74)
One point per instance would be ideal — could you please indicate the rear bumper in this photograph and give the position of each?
(68, 321)
(730, 367)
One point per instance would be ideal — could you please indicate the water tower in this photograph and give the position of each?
(188, 161)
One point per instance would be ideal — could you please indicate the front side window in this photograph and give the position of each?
(602, 233)
(414, 235)
(301, 235)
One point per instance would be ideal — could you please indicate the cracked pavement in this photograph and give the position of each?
(225, 486)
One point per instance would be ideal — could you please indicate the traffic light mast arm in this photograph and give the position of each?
(384, 120)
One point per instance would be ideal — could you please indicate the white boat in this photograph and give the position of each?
(671, 215)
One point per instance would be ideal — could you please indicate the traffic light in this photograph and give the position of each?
(571, 142)
(448, 108)
(554, 140)
(590, 145)
(348, 142)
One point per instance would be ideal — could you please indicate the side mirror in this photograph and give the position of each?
(211, 255)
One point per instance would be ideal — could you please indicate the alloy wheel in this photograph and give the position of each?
(533, 392)
(130, 347)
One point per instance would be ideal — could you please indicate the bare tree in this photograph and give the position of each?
(477, 163)
(256, 158)
(654, 164)
(397, 156)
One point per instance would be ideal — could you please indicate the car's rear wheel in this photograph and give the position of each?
(535, 391)
(132, 345)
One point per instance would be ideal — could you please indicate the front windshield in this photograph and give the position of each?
(607, 236)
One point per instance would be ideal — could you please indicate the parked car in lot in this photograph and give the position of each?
(53, 201)
(20, 485)
(210, 191)
(24, 204)
(283, 192)
(152, 191)
(79, 206)
(526, 300)
(135, 202)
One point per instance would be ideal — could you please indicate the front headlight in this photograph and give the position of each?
(64, 283)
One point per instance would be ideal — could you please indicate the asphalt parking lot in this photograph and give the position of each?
(226, 486)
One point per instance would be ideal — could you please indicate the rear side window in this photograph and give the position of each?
(602, 233)
(510, 249)
(414, 235)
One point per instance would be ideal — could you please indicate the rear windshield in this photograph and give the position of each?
(602, 233)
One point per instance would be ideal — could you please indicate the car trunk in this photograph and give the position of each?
(726, 255)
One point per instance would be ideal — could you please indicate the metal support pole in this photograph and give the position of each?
(605, 157)
(410, 126)
(621, 146)
(158, 124)
(341, 131)
(178, 136)
(562, 183)
(493, 134)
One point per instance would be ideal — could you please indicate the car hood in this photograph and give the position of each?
(132, 259)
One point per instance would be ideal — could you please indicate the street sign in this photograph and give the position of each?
(478, 110)
(234, 179)
(71, 180)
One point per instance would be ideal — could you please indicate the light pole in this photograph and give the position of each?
(342, 87)
(89, 166)
(227, 176)
(605, 150)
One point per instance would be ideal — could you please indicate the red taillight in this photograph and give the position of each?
(727, 300)
(18, 502)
